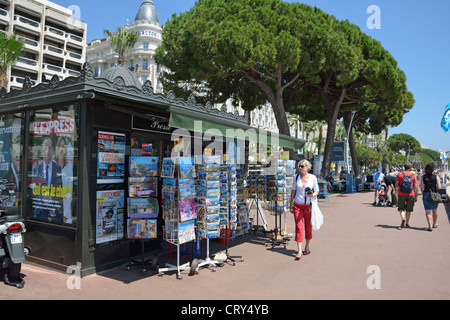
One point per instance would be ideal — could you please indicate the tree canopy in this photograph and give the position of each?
(404, 142)
(297, 57)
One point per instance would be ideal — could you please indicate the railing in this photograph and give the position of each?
(74, 37)
(20, 80)
(27, 21)
(4, 13)
(54, 49)
(52, 67)
(27, 61)
(75, 55)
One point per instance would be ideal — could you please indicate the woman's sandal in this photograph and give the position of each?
(306, 252)
(298, 256)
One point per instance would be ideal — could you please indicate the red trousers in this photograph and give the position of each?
(302, 216)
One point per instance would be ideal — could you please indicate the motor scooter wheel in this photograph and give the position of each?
(13, 272)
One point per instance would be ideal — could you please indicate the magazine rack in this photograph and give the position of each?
(179, 211)
(208, 208)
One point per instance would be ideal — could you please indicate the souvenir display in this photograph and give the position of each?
(209, 196)
(178, 206)
(142, 202)
(178, 200)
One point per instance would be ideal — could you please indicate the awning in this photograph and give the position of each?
(229, 129)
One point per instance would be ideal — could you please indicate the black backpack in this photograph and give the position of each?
(406, 186)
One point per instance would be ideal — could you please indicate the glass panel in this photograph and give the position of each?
(52, 167)
(11, 151)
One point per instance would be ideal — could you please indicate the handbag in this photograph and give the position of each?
(435, 197)
(316, 215)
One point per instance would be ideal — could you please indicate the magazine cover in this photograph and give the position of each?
(110, 212)
(111, 157)
(141, 228)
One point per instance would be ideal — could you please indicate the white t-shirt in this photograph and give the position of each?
(298, 186)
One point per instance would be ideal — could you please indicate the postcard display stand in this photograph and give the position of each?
(143, 207)
(228, 207)
(178, 208)
(278, 191)
(208, 207)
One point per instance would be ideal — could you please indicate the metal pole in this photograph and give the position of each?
(346, 143)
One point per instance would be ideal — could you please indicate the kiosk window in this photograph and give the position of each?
(52, 165)
(11, 145)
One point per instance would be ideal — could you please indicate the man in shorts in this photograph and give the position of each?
(406, 198)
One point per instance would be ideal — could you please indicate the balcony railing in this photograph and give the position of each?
(27, 22)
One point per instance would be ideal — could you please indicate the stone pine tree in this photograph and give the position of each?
(289, 54)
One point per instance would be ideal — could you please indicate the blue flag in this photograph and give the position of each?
(445, 122)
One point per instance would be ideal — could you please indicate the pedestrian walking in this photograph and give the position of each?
(430, 182)
(305, 187)
(407, 186)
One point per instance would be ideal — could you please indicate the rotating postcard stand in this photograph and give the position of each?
(208, 208)
(277, 191)
(143, 207)
(178, 207)
(228, 208)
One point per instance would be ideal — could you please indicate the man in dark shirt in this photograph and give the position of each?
(390, 186)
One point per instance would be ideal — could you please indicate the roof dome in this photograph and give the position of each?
(147, 11)
(120, 71)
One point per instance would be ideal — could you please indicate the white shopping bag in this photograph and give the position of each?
(316, 215)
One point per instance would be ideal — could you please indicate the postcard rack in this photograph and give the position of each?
(228, 207)
(178, 209)
(208, 206)
(143, 207)
(278, 192)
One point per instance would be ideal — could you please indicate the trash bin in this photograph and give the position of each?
(350, 186)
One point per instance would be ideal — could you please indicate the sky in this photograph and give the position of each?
(415, 32)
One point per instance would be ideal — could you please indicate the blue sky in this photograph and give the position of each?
(415, 32)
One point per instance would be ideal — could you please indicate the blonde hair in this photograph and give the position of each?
(304, 162)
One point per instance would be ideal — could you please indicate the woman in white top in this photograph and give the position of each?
(300, 205)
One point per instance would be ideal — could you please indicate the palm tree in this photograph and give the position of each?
(122, 41)
(10, 50)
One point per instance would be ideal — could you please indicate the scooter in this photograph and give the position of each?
(12, 249)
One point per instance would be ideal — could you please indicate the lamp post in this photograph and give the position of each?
(346, 143)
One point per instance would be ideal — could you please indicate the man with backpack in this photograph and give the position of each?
(407, 185)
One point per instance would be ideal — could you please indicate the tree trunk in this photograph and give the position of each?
(332, 111)
(3, 78)
(320, 140)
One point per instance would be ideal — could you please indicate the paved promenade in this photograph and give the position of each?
(358, 244)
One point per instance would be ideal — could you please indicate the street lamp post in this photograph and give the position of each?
(346, 143)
